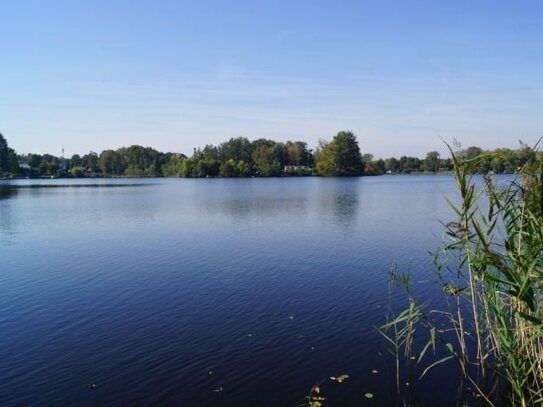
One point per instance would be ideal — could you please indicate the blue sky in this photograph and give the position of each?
(178, 74)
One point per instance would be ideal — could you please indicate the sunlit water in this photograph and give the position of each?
(161, 291)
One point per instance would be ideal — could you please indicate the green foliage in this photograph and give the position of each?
(371, 166)
(77, 172)
(261, 157)
(139, 161)
(229, 168)
(325, 163)
(111, 163)
(207, 168)
(298, 154)
(188, 167)
(243, 169)
(34, 160)
(9, 164)
(3, 154)
(173, 167)
(267, 160)
(235, 149)
(238, 157)
(49, 168)
(492, 276)
(431, 163)
(340, 157)
(409, 164)
(392, 165)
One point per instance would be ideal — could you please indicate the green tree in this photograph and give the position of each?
(380, 164)
(90, 161)
(207, 168)
(243, 169)
(34, 160)
(409, 164)
(431, 162)
(188, 167)
(229, 168)
(209, 152)
(237, 149)
(75, 161)
(298, 154)
(110, 163)
(4, 154)
(173, 167)
(340, 157)
(324, 159)
(77, 172)
(348, 154)
(266, 159)
(49, 168)
(141, 161)
(392, 165)
(9, 163)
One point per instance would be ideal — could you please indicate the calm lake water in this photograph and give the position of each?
(146, 286)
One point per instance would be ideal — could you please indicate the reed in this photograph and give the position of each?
(491, 272)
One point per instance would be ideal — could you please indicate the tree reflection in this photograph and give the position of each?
(7, 191)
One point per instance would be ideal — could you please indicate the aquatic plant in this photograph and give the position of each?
(491, 273)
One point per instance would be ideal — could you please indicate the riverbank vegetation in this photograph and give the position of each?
(491, 273)
(240, 157)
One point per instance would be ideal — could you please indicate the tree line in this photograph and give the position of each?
(240, 157)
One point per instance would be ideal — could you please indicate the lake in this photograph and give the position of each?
(210, 292)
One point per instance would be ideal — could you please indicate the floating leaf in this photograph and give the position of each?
(340, 378)
(368, 395)
(314, 399)
(452, 289)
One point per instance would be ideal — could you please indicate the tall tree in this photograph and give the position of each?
(110, 163)
(8, 158)
(340, 157)
(4, 154)
(431, 162)
(237, 149)
(90, 161)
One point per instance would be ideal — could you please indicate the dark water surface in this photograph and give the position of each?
(145, 287)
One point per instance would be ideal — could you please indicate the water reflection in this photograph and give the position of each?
(171, 268)
(86, 185)
(346, 209)
(342, 202)
(261, 208)
(7, 191)
(6, 222)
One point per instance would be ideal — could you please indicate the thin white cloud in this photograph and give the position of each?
(391, 116)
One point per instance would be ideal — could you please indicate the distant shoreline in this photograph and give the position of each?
(239, 177)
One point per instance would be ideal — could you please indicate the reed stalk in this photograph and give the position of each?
(497, 287)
